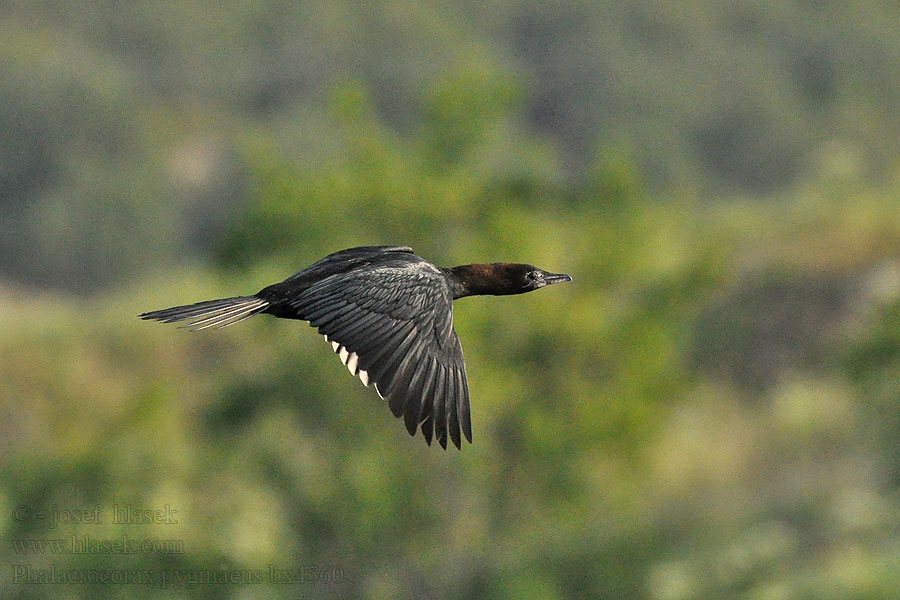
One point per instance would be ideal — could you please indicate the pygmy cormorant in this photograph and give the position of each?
(389, 316)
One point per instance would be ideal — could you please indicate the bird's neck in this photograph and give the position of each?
(479, 280)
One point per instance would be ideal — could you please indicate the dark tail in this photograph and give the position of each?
(212, 313)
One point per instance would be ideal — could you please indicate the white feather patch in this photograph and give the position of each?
(377, 390)
(351, 360)
(326, 337)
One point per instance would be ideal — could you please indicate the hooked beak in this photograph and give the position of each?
(551, 278)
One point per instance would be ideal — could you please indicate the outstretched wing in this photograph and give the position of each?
(393, 326)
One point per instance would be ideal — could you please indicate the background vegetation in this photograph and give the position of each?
(711, 409)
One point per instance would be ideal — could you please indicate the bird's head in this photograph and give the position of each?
(526, 278)
(501, 279)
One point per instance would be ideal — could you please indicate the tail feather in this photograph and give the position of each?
(211, 313)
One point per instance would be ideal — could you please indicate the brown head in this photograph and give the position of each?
(499, 279)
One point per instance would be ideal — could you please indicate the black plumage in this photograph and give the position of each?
(389, 316)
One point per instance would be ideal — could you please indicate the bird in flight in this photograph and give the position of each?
(388, 314)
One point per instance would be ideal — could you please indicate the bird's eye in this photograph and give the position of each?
(531, 275)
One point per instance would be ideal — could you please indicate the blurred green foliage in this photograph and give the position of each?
(151, 105)
(710, 410)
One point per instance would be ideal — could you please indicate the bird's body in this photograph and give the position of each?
(388, 314)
